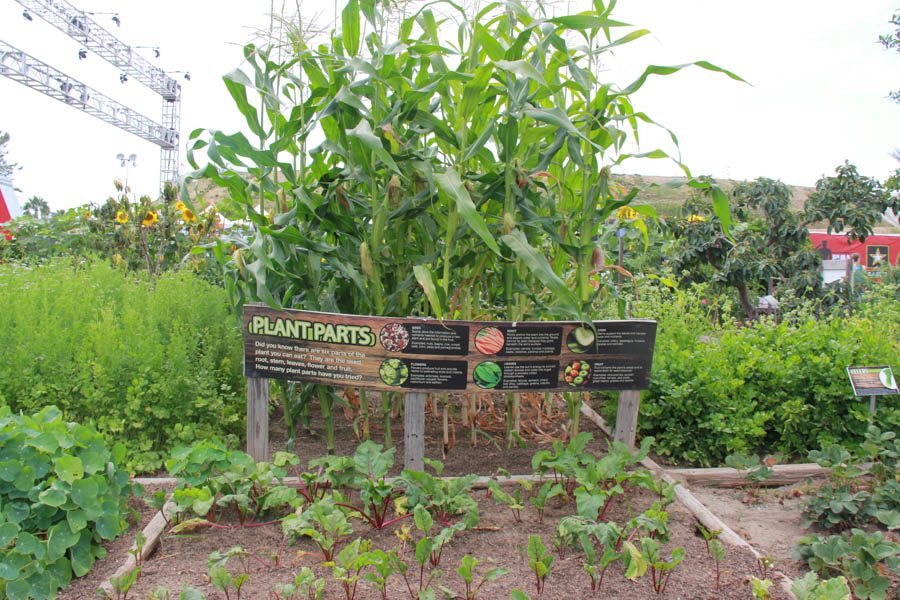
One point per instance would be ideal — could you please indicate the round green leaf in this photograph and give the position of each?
(25, 480)
(9, 470)
(8, 532)
(69, 468)
(93, 462)
(11, 566)
(52, 497)
(27, 543)
(85, 492)
(45, 442)
(60, 539)
(77, 519)
(16, 512)
(108, 526)
(18, 590)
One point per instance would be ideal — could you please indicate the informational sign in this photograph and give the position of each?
(872, 381)
(415, 354)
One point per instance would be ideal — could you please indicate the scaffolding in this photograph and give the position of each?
(79, 26)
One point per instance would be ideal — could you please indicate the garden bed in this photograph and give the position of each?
(498, 541)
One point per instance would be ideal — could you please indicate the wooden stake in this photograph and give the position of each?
(414, 431)
(258, 418)
(626, 416)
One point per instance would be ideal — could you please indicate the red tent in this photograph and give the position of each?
(874, 253)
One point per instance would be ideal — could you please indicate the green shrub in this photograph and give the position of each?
(157, 365)
(764, 387)
(62, 493)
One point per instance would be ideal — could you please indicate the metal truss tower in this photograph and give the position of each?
(79, 26)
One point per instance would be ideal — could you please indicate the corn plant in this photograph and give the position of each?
(478, 167)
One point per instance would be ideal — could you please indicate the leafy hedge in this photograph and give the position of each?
(718, 388)
(154, 362)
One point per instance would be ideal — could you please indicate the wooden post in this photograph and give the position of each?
(414, 431)
(258, 418)
(626, 416)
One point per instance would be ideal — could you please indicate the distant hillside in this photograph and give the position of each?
(666, 200)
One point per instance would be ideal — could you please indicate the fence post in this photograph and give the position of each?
(258, 418)
(414, 431)
(626, 416)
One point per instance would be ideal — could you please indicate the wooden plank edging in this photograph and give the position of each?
(152, 532)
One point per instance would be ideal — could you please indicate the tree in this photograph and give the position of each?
(769, 248)
(37, 207)
(891, 41)
(6, 168)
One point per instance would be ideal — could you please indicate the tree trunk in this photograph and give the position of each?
(745, 300)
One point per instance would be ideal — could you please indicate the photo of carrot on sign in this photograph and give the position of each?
(416, 354)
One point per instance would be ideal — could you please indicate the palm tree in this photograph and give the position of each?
(37, 206)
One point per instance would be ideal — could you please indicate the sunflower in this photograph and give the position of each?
(150, 218)
(122, 216)
(180, 206)
(696, 219)
(188, 216)
(626, 212)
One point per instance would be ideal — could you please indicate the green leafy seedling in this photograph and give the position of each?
(466, 570)
(540, 561)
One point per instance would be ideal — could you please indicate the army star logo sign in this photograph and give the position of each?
(876, 256)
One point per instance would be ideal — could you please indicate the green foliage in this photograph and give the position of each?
(156, 363)
(210, 476)
(305, 584)
(221, 577)
(348, 563)
(324, 522)
(846, 499)
(638, 562)
(132, 234)
(862, 558)
(6, 168)
(849, 202)
(444, 498)
(809, 587)
(62, 492)
(720, 387)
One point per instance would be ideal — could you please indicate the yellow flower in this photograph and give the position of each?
(150, 219)
(122, 216)
(626, 212)
(696, 219)
(180, 206)
(188, 216)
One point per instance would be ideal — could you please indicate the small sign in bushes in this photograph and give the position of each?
(872, 381)
(424, 354)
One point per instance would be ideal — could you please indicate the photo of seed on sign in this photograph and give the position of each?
(578, 373)
(394, 337)
(489, 340)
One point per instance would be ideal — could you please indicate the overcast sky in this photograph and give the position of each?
(817, 94)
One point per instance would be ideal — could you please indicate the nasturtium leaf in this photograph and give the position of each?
(18, 589)
(85, 492)
(43, 586)
(108, 526)
(10, 469)
(45, 442)
(69, 468)
(82, 562)
(8, 532)
(25, 480)
(52, 496)
(92, 461)
(11, 565)
(16, 512)
(83, 435)
(27, 543)
(77, 519)
(61, 570)
(59, 539)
